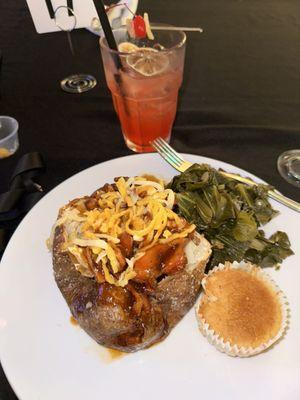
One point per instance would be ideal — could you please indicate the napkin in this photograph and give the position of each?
(0, 69)
(22, 195)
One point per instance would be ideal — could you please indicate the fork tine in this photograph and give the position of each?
(160, 149)
(169, 149)
(175, 162)
(170, 155)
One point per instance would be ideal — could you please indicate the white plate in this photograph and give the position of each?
(45, 357)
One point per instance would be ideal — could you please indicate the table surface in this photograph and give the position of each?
(239, 102)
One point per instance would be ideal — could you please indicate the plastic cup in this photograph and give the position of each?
(9, 139)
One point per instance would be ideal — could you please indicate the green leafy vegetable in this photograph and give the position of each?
(245, 228)
(229, 213)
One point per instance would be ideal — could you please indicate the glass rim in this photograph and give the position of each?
(14, 130)
(153, 28)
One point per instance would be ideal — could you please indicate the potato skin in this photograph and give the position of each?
(105, 311)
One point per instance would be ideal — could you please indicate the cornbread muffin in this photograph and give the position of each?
(242, 311)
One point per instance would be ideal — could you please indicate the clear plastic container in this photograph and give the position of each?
(9, 139)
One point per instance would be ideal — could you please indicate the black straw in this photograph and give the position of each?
(106, 27)
(112, 44)
(108, 33)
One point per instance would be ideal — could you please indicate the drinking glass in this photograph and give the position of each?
(288, 165)
(144, 84)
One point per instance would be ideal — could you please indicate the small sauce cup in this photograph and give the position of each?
(9, 139)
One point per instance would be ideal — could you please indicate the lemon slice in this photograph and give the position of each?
(148, 61)
(127, 47)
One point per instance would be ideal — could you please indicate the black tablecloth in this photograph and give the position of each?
(240, 101)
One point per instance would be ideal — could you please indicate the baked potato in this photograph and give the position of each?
(145, 274)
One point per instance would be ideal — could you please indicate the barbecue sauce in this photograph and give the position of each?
(115, 354)
(73, 321)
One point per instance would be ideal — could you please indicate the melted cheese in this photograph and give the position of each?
(140, 206)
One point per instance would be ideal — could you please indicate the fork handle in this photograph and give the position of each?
(275, 195)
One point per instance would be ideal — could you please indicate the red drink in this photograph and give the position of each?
(145, 89)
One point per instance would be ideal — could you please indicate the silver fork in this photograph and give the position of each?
(181, 165)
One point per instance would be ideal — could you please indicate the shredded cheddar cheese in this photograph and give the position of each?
(139, 206)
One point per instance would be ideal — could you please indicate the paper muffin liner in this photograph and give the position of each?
(234, 350)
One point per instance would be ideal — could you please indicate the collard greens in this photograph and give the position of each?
(229, 214)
